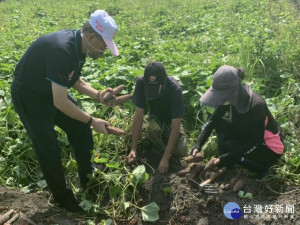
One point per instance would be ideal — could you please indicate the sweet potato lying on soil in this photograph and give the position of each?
(195, 171)
(232, 181)
(185, 170)
(12, 220)
(109, 96)
(114, 130)
(5, 217)
(238, 186)
(9, 218)
(225, 186)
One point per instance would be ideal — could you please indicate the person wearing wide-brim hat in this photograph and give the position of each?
(247, 132)
(163, 96)
(49, 67)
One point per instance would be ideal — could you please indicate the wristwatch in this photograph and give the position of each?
(90, 121)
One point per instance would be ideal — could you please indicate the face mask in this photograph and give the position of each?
(93, 54)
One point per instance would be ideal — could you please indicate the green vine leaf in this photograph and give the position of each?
(150, 212)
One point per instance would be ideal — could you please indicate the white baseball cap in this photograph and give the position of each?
(105, 25)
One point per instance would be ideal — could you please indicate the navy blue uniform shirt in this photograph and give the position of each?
(55, 57)
(169, 106)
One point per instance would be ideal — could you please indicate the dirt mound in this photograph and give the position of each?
(181, 202)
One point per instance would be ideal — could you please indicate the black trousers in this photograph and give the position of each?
(229, 139)
(39, 117)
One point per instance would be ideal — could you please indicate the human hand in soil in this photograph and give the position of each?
(132, 156)
(163, 165)
(99, 125)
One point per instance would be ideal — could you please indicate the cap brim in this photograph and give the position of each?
(153, 91)
(111, 46)
(214, 98)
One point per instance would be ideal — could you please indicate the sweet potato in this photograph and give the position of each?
(108, 96)
(196, 170)
(232, 182)
(185, 170)
(119, 100)
(226, 186)
(11, 220)
(115, 130)
(214, 176)
(5, 217)
(238, 186)
(210, 165)
(197, 158)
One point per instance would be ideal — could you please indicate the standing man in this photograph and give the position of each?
(50, 66)
(163, 95)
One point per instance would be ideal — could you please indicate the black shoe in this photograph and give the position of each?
(74, 208)
(70, 204)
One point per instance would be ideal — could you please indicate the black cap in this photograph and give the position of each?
(154, 80)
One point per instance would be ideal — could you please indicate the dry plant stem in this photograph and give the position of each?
(5, 217)
(13, 219)
(134, 221)
(108, 96)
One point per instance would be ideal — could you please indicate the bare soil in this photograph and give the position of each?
(186, 204)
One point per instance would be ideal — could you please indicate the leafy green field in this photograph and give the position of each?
(192, 38)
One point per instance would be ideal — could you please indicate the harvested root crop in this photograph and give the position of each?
(238, 186)
(6, 216)
(210, 165)
(115, 130)
(119, 100)
(195, 171)
(185, 170)
(12, 220)
(11, 217)
(197, 158)
(110, 95)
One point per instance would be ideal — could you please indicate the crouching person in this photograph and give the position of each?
(247, 132)
(163, 95)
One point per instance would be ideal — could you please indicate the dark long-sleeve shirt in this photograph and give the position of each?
(250, 126)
